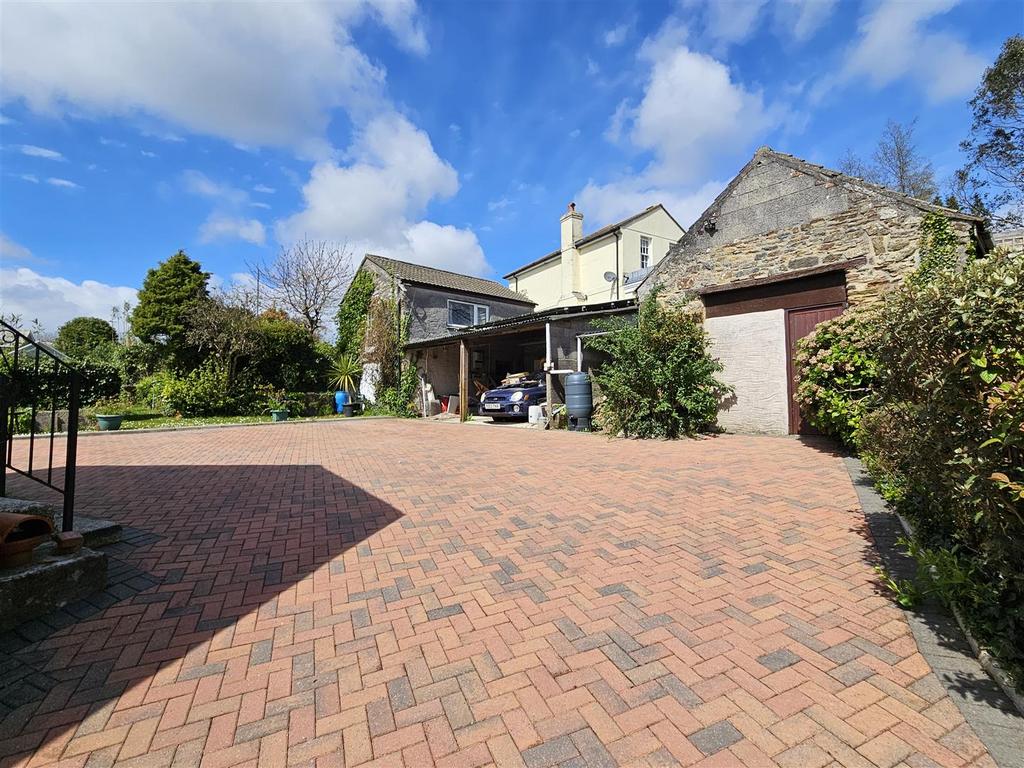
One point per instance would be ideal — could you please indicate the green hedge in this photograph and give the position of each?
(942, 429)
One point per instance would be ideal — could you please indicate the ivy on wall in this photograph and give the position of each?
(940, 246)
(351, 317)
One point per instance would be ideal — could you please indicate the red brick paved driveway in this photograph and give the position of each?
(417, 593)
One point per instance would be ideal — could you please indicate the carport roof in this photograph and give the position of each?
(529, 320)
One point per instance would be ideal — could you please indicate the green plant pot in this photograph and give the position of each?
(109, 423)
(279, 414)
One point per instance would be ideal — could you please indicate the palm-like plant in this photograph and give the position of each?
(345, 373)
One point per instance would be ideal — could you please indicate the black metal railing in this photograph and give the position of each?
(35, 379)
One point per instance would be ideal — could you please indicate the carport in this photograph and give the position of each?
(465, 363)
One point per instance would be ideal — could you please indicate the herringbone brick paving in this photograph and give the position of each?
(408, 593)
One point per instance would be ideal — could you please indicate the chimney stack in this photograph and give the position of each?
(572, 230)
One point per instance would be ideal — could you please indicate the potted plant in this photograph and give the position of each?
(345, 373)
(110, 412)
(278, 407)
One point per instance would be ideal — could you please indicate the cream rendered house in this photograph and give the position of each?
(605, 265)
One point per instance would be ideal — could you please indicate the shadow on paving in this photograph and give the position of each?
(202, 547)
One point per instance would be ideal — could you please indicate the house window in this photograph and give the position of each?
(645, 252)
(463, 313)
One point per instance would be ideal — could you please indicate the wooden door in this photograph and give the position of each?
(799, 323)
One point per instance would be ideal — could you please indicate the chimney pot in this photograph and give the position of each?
(572, 206)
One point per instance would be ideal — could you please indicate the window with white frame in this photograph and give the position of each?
(645, 252)
(463, 313)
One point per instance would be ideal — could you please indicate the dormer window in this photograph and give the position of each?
(645, 252)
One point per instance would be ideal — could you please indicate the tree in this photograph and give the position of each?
(896, 163)
(227, 332)
(81, 336)
(307, 278)
(993, 177)
(169, 294)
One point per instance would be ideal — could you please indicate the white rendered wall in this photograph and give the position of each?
(752, 348)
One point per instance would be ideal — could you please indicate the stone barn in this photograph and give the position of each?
(785, 246)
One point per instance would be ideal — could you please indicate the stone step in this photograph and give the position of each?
(48, 583)
(95, 531)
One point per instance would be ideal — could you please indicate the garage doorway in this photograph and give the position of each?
(800, 323)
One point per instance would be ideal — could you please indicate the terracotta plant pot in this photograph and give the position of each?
(19, 535)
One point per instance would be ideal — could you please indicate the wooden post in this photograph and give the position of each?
(463, 381)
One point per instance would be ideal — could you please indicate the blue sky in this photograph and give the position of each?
(452, 134)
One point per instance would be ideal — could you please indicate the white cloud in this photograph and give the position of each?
(693, 110)
(63, 183)
(225, 221)
(112, 142)
(30, 177)
(198, 183)
(54, 300)
(617, 35)
(733, 21)
(256, 73)
(11, 251)
(34, 151)
(5, 120)
(614, 201)
(222, 227)
(146, 153)
(895, 42)
(264, 189)
(802, 18)
(376, 201)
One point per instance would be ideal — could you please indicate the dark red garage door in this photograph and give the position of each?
(799, 323)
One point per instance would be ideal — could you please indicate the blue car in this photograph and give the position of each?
(513, 401)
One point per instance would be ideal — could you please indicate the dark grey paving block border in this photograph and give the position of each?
(984, 705)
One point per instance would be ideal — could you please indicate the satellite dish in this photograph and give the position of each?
(609, 277)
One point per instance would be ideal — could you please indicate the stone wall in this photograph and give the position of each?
(778, 220)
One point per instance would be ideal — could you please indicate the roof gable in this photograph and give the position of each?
(819, 172)
(597, 235)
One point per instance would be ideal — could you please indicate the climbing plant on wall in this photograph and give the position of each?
(940, 246)
(352, 312)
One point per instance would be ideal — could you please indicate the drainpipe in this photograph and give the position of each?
(618, 275)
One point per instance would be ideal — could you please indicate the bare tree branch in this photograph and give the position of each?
(306, 280)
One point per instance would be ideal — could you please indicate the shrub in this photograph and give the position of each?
(658, 380)
(949, 438)
(203, 392)
(149, 390)
(80, 336)
(399, 399)
(288, 356)
(838, 372)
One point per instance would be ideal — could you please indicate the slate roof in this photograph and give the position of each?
(408, 272)
(595, 235)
